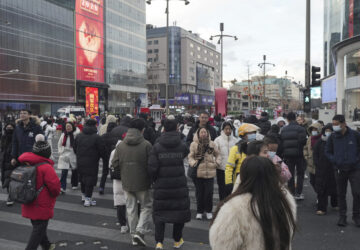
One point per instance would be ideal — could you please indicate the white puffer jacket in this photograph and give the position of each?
(225, 143)
(67, 155)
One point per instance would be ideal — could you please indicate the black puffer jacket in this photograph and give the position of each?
(264, 124)
(190, 137)
(89, 148)
(119, 132)
(109, 141)
(166, 168)
(5, 159)
(293, 138)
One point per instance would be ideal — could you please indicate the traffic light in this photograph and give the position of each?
(307, 101)
(315, 76)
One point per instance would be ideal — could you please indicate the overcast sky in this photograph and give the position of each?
(275, 28)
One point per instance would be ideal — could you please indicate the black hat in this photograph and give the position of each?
(41, 146)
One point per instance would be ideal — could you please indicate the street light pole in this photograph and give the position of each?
(167, 60)
(263, 65)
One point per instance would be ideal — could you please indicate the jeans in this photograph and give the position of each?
(342, 178)
(105, 172)
(139, 224)
(160, 231)
(298, 165)
(204, 189)
(74, 178)
(38, 235)
(220, 178)
(87, 190)
(121, 215)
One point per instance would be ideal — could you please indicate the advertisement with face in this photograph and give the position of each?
(92, 101)
(89, 40)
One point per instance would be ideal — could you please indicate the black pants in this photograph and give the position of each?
(105, 172)
(74, 178)
(312, 180)
(323, 201)
(87, 190)
(220, 178)
(121, 215)
(298, 165)
(38, 235)
(342, 178)
(204, 189)
(160, 231)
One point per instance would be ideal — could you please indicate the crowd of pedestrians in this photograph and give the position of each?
(259, 168)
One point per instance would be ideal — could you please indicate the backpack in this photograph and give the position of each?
(22, 187)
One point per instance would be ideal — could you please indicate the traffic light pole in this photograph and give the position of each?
(307, 56)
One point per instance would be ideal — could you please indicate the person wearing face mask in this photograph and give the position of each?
(5, 158)
(315, 134)
(224, 142)
(293, 138)
(247, 133)
(324, 174)
(343, 151)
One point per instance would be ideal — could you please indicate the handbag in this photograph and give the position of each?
(192, 171)
(115, 173)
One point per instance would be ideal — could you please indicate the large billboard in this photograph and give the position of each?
(92, 101)
(328, 90)
(204, 77)
(89, 40)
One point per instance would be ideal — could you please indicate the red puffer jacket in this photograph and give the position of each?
(43, 207)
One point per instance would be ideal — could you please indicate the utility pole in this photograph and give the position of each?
(263, 66)
(307, 56)
(249, 86)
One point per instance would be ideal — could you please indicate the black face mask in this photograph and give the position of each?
(9, 131)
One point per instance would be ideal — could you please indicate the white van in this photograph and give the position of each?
(65, 112)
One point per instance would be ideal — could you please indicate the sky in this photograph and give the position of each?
(275, 28)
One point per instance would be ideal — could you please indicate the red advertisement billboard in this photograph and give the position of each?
(89, 40)
(92, 101)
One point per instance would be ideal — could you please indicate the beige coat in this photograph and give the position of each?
(212, 159)
(236, 228)
(308, 151)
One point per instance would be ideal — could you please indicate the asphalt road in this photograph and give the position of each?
(77, 227)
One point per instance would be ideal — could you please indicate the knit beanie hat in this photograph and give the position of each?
(41, 146)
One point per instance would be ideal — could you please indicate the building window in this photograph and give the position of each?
(198, 48)
(191, 53)
(217, 63)
(205, 51)
(192, 70)
(150, 51)
(211, 54)
(198, 56)
(156, 42)
(149, 42)
(217, 56)
(191, 45)
(150, 59)
(205, 59)
(156, 50)
(192, 78)
(212, 61)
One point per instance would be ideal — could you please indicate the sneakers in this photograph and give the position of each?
(87, 202)
(62, 191)
(101, 191)
(159, 246)
(133, 242)
(139, 239)
(9, 202)
(199, 216)
(124, 229)
(342, 221)
(299, 197)
(179, 243)
(75, 188)
(52, 246)
(83, 197)
(209, 216)
(319, 212)
(356, 220)
(92, 202)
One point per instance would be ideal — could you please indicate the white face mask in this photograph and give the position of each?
(328, 134)
(271, 154)
(314, 133)
(251, 137)
(337, 128)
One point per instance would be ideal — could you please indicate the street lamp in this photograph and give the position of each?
(13, 71)
(221, 41)
(263, 65)
(167, 52)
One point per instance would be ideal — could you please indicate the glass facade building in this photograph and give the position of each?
(125, 48)
(37, 40)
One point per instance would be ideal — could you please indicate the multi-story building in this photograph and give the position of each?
(194, 68)
(72, 52)
(341, 85)
(243, 98)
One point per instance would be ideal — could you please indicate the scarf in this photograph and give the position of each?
(71, 135)
(314, 139)
(203, 146)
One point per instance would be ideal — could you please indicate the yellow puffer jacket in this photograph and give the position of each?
(234, 162)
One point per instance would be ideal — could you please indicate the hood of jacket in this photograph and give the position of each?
(110, 118)
(196, 137)
(264, 119)
(225, 137)
(89, 130)
(33, 120)
(33, 159)
(281, 119)
(133, 137)
(316, 126)
(170, 139)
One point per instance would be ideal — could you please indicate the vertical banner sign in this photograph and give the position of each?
(89, 40)
(92, 101)
(351, 18)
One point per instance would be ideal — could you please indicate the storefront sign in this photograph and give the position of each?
(183, 99)
(207, 100)
(89, 40)
(92, 101)
(195, 99)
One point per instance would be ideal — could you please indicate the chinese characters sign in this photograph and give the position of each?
(92, 101)
(90, 40)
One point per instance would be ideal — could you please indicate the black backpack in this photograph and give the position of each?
(22, 186)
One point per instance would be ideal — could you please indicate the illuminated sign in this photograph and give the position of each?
(92, 101)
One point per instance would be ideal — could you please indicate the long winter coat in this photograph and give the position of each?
(24, 137)
(5, 159)
(89, 149)
(293, 138)
(103, 129)
(236, 228)
(166, 168)
(308, 149)
(42, 208)
(325, 182)
(212, 160)
(224, 144)
(67, 154)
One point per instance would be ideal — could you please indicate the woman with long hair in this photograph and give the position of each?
(259, 215)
